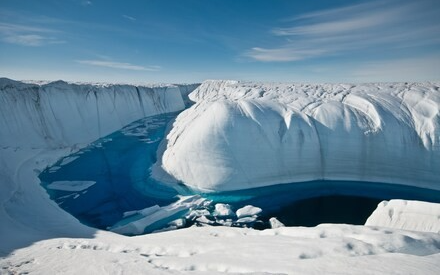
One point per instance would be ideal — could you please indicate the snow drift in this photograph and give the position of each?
(409, 215)
(60, 114)
(245, 135)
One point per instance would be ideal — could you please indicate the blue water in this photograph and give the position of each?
(120, 164)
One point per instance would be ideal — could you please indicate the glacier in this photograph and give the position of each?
(242, 135)
(37, 236)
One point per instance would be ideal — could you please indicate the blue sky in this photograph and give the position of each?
(193, 40)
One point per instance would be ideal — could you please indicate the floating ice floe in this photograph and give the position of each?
(70, 185)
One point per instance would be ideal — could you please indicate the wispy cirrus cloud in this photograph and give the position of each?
(131, 18)
(33, 40)
(382, 24)
(284, 54)
(119, 65)
(8, 28)
(28, 35)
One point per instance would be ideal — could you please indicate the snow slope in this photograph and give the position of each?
(245, 135)
(60, 114)
(325, 249)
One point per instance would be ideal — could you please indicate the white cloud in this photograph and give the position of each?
(345, 24)
(129, 17)
(337, 12)
(283, 54)
(27, 35)
(382, 25)
(30, 40)
(8, 28)
(118, 65)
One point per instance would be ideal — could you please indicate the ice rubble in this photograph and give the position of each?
(193, 209)
(245, 135)
(155, 217)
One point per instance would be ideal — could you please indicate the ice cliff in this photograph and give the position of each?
(60, 114)
(244, 135)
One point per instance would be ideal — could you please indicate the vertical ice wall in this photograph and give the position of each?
(61, 114)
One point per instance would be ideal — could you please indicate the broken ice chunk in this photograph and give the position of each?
(275, 223)
(223, 210)
(248, 211)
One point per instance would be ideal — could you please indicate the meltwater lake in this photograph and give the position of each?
(103, 183)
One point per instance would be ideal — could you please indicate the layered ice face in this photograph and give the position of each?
(247, 135)
(60, 114)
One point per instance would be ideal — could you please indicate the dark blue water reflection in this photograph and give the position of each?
(314, 202)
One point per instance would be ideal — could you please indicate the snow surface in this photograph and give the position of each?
(37, 237)
(409, 215)
(325, 249)
(246, 135)
(70, 185)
